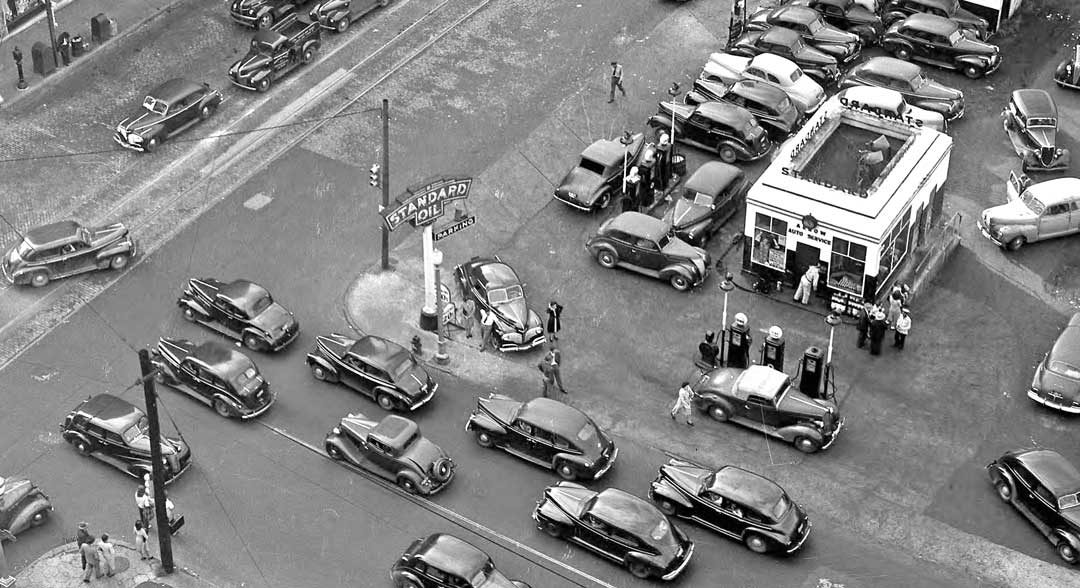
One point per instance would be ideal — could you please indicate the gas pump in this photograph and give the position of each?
(772, 350)
(810, 371)
(739, 342)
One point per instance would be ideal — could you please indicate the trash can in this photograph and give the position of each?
(79, 46)
(678, 165)
(102, 28)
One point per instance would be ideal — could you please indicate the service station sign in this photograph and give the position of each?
(422, 206)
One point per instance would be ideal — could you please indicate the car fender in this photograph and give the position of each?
(22, 275)
(401, 576)
(337, 15)
(282, 11)
(767, 534)
(186, 302)
(707, 401)
(262, 73)
(253, 331)
(665, 491)
(72, 436)
(890, 17)
(485, 422)
(1067, 537)
(346, 449)
(596, 248)
(323, 363)
(403, 472)
(577, 460)
(549, 511)
(976, 60)
(667, 272)
(396, 395)
(995, 471)
(865, 31)
(105, 255)
(1026, 231)
(232, 404)
(790, 432)
(22, 521)
(312, 44)
(659, 121)
(140, 467)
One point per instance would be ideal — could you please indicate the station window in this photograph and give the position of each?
(847, 267)
(894, 248)
(770, 242)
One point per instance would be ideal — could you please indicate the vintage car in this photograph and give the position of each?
(168, 110)
(22, 505)
(337, 15)
(708, 199)
(725, 129)
(262, 14)
(805, 93)
(644, 244)
(597, 177)
(733, 502)
(1033, 212)
(940, 41)
(66, 248)
(276, 51)
(116, 432)
(241, 310)
(891, 104)
(214, 374)
(495, 288)
(1045, 488)
(617, 525)
(908, 79)
(897, 10)
(378, 368)
(843, 46)
(848, 15)
(1067, 73)
(1031, 122)
(788, 44)
(1057, 378)
(545, 432)
(763, 399)
(768, 103)
(444, 561)
(392, 448)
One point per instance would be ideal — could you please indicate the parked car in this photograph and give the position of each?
(444, 561)
(908, 79)
(337, 15)
(616, 525)
(843, 46)
(788, 44)
(848, 15)
(805, 93)
(392, 448)
(263, 14)
(66, 248)
(644, 244)
(546, 432)
(241, 310)
(378, 368)
(891, 104)
(710, 196)
(597, 177)
(768, 103)
(496, 288)
(1031, 122)
(116, 432)
(1067, 73)
(168, 110)
(1045, 488)
(214, 374)
(22, 505)
(1057, 378)
(1033, 212)
(733, 502)
(725, 129)
(276, 51)
(763, 399)
(897, 10)
(940, 41)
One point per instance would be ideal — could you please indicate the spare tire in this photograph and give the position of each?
(442, 469)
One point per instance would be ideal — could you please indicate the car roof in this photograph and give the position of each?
(1056, 191)
(874, 96)
(1055, 472)
(942, 4)
(640, 225)
(760, 381)
(452, 555)
(605, 151)
(552, 415)
(377, 350)
(774, 63)
(748, 488)
(891, 67)
(626, 512)
(801, 14)
(394, 430)
(931, 22)
(57, 232)
(1034, 102)
(111, 412)
(781, 35)
(1067, 346)
(758, 90)
(713, 177)
(736, 116)
(222, 359)
(242, 293)
(174, 90)
(497, 274)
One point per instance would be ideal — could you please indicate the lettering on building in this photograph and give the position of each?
(881, 112)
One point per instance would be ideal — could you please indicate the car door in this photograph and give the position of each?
(355, 373)
(227, 315)
(71, 258)
(722, 514)
(521, 440)
(596, 533)
(382, 458)
(696, 128)
(646, 253)
(185, 112)
(210, 385)
(761, 411)
(1054, 221)
(543, 445)
(187, 375)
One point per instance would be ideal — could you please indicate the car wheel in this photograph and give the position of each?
(39, 518)
(82, 446)
(253, 343)
(206, 112)
(408, 485)
(1004, 489)
(756, 543)
(1066, 552)
(680, 283)
(718, 413)
(385, 401)
(552, 528)
(265, 21)
(973, 72)
(607, 259)
(342, 25)
(118, 261)
(638, 569)
(222, 408)
(806, 445)
(407, 583)
(483, 439)
(39, 279)
(902, 53)
(159, 376)
(263, 84)
(308, 55)
(152, 144)
(1016, 243)
(333, 452)
(604, 199)
(667, 507)
(565, 471)
(727, 154)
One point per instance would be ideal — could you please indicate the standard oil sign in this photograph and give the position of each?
(422, 206)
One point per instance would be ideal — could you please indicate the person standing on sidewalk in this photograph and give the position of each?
(145, 506)
(142, 541)
(633, 184)
(616, 80)
(106, 556)
(468, 316)
(554, 320)
(684, 403)
(487, 329)
(878, 326)
(554, 357)
(548, 372)
(646, 167)
(863, 326)
(808, 284)
(903, 327)
(895, 302)
(82, 537)
(89, 553)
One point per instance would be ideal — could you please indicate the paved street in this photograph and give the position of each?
(510, 96)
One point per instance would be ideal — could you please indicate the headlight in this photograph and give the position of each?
(336, 430)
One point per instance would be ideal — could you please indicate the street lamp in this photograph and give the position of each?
(626, 140)
(726, 286)
(832, 320)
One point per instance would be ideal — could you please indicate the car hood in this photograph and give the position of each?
(496, 579)
(680, 248)
(933, 90)
(12, 490)
(273, 319)
(685, 213)
(569, 497)
(679, 111)
(1073, 516)
(334, 344)
(1042, 136)
(516, 313)
(1013, 211)
(797, 403)
(501, 407)
(247, 4)
(107, 234)
(327, 6)
(967, 45)
(254, 60)
(582, 182)
(423, 454)
(832, 35)
(857, 13)
(140, 122)
(814, 56)
(687, 475)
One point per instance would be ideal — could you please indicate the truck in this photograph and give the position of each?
(275, 52)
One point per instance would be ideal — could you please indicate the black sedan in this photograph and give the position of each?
(897, 10)
(909, 80)
(445, 561)
(768, 103)
(1045, 488)
(392, 448)
(597, 177)
(1031, 122)
(213, 374)
(241, 310)
(848, 15)
(645, 244)
(941, 42)
(733, 502)
(376, 367)
(710, 196)
(616, 525)
(843, 46)
(496, 288)
(730, 131)
(168, 110)
(786, 43)
(1057, 378)
(65, 248)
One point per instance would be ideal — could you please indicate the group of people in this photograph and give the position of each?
(652, 174)
(875, 320)
(98, 554)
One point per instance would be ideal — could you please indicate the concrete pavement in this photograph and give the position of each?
(60, 567)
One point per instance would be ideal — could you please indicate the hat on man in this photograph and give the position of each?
(82, 525)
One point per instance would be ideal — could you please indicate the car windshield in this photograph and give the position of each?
(592, 166)
(482, 574)
(1033, 203)
(814, 26)
(25, 251)
(402, 368)
(699, 198)
(1063, 369)
(797, 46)
(261, 304)
(663, 241)
(504, 295)
(781, 508)
(247, 382)
(661, 530)
(139, 429)
(750, 128)
(156, 106)
(955, 36)
(783, 105)
(1068, 500)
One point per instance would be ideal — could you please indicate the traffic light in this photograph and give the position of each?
(375, 176)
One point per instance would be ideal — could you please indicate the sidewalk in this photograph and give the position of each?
(61, 568)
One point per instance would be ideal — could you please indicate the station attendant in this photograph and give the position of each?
(903, 327)
(808, 284)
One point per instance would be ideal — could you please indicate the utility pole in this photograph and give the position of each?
(385, 181)
(51, 15)
(162, 519)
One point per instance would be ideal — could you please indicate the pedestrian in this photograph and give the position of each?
(647, 169)
(863, 326)
(468, 316)
(142, 539)
(683, 403)
(89, 553)
(808, 284)
(487, 329)
(878, 326)
(663, 161)
(149, 485)
(903, 327)
(145, 506)
(554, 320)
(616, 80)
(106, 556)
(548, 376)
(894, 303)
(82, 537)
(633, 185)
(709, 350)
(554, 357)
